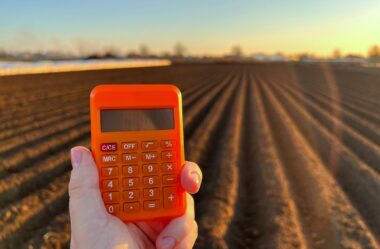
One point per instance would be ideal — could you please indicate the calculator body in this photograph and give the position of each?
(137, 144)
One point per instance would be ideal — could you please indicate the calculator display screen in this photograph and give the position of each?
(137, 120)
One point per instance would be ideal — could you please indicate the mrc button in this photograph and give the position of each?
(108, 147)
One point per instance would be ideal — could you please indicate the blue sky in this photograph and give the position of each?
(204, 27)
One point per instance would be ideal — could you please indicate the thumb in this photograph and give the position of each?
(86, 204)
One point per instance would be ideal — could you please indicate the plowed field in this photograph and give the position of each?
(290, 152)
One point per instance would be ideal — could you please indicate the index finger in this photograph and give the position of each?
(191, 177)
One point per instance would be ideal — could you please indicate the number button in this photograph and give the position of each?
(149, 145)
(150, 181)
(130, 158)
(113, 208)
(169, 179)
(151, 193)
(109, 172)
(111, 196)
(131, 207)
(129, 146)
(110, 184)
(107, 159)
(167, 144)
(149, 205)
(131, 195)
(167, 155)
(150, 168)
(170, 197)
(131, 182)
(149, 157)
(130, 170)
(167, 167)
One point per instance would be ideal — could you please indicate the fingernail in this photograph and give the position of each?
(195, 176)
(76, 157)
(168, 243)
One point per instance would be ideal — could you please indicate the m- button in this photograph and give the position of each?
(130, 158)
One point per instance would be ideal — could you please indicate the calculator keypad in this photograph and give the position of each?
(139, 175)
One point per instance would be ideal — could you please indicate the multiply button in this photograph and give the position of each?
(166, 144)
(129, 146)
(130, 158)
(167, 155)
(149, 157)
(109, 159)
(108, 147)
(149, 145)
(167, 167)
(170, 197)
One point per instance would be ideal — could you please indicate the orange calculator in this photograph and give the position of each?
(137, 144)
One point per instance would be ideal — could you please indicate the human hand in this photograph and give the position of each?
(93, 227)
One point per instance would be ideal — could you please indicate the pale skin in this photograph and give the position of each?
(93, 227)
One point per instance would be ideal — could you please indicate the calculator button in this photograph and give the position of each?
(112, 208)
(151, 193)
(149, 157)
(131, 182)
(170, 197)
(131, 207)
(167, 155)
(167, 167)
(169, 179)
(151, 168)
(110, 184)
(131, 195)
(130, 170)
(129, 146)
(108, 147)
(130, 158)
(149, 205)
(167, 144)
(149, 145)
(109, 172)
(109, 159)
(111, 196)
(150, 181)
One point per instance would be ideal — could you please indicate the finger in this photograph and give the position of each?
(191, 177)
(189, 240)
(178, 229)
(86, 205)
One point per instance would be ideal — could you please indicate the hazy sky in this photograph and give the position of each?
(204, 27)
